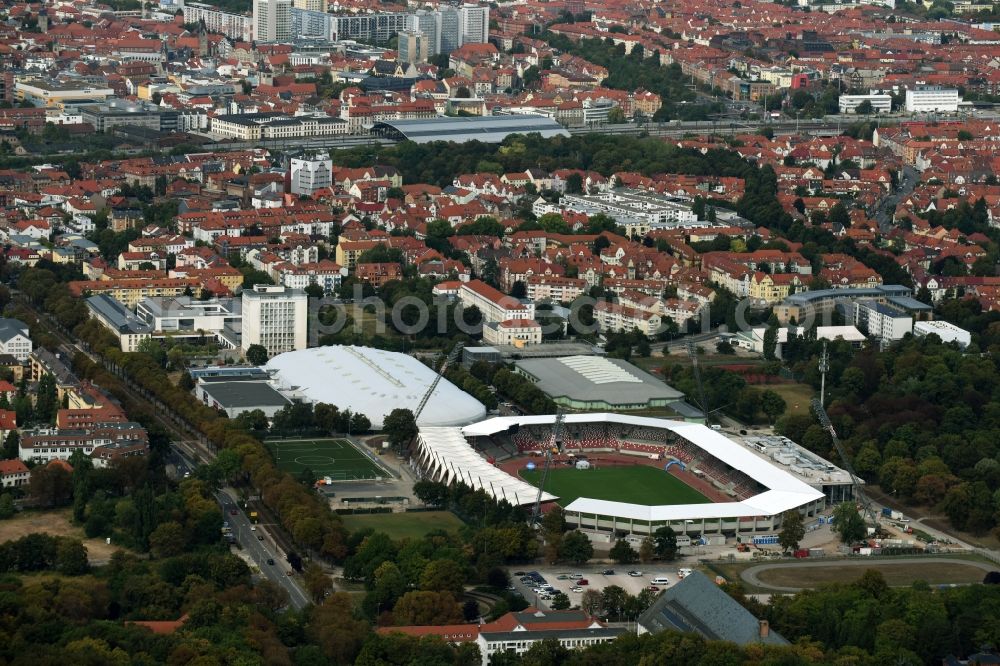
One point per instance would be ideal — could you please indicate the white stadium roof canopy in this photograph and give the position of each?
(447, 456)
(372, 382)
(784, 491)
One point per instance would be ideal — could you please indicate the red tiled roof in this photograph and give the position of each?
(452, 633)
(14, 466)
(162, 626)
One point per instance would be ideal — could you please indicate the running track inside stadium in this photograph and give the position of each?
(514, 466)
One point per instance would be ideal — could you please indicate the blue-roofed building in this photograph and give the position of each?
(698, 605)
(882, 321)
(920, 310)
(819, 305)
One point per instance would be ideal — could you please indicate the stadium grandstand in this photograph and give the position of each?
(488, 129)
(445, 455)
(744, 491)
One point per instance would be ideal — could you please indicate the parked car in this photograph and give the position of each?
(608, 572)
(653, 588)
(562, 577)
(576, 576)
(270, 561)
(635, 574)
(518, 573)
(233, 512)
(576, 589)
(582, 582)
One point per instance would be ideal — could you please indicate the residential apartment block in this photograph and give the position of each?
(615, 318)
(882, 321)
(103, 443)
(494, 305)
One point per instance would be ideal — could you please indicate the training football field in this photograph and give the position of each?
(336, 458)
(635, 484)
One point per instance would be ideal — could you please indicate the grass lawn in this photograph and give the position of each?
(56, 523)
(797, 396)
(896, 574)
(336, 458)
(411, 525)
(636, 484)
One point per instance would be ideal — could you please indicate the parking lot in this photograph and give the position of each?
(562, 578)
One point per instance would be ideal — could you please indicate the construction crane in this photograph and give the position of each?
(696, 371)
(452, 355)
(555, 445)
(866, 505)
(824, 367)
(449, 359)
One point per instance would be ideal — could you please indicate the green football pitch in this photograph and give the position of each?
(336, 458)
(635, 484)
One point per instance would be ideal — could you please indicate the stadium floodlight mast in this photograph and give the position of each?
(557, 427)
(824, 366)
(696, 371)
(866, 505)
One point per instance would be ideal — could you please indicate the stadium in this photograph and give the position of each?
(621, 474)
(372, 382)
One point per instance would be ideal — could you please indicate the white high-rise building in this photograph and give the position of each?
(310, 5)
(310, 173)
(234, 26)
(272, 20)
(275, 317)
(475, 24)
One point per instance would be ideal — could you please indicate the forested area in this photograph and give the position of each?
(921, 419)
(639, 70)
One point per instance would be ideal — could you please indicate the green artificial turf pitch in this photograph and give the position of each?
(635, 484)
(409, 525)
(336, 458)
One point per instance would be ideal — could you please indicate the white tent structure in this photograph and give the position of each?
(372, 382)
(445, 455)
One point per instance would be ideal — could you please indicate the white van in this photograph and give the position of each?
(661, 580)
